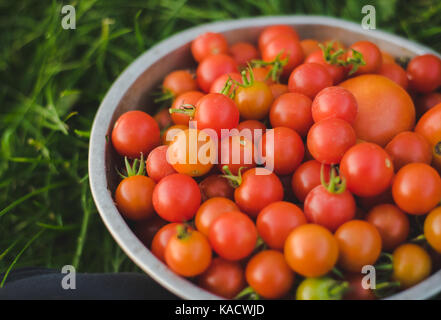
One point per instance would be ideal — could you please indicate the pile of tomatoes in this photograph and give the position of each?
(355, 179)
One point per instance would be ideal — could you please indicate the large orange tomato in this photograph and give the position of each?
(429, 126)
(384, 108)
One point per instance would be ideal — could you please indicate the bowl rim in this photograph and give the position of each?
(113, 220)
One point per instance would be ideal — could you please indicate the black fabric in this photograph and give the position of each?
(40, 283)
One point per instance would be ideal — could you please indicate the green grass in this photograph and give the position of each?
(52, 81)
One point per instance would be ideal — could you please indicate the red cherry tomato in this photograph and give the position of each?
(233, 235)
(218, 85)
(408, 147)
(371, 55)
(179, 82)
(284, 47)
(207, 44)
(176, 198)
(276, 221)
(236, 152)
(391, 222)
(309, 46)
(337, 73)
(186, 99)
(269, 274)
(417, 188)
(309, 79)
(212, 68)
(157, 165)
(243, 52)
(307, 177)
(216, 186)
(426, 102)
(262, 74)
(258, 188)
(292, 110)
(278, 89)
(161, 239)
(394, 72)
(334, 102)
(424, 73)
(223, 278)
(135, 132)
(269, 33)
(210, 210)
(329, 139)
(368, 169)
(284, 147)
(359, 244)
(257, 129)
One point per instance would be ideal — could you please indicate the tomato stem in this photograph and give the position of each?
(164, 95)
(183, 231)
(187, 109)
(337, 272)
(227, 87)
(336, 184)
(248, 291)
(418, 238)
(136, 169)
(235, 181)
(276, 67)
(338, 289)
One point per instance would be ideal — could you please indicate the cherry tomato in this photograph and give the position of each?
(188, 252)
(219, 84)
(337, 73)
(387, 57)
(223, 278)
(391, 222)
(277, 89)
(256, 128)
(356, 290)
(216, 186)
(309, 79)
(169, 135)
(311, 250)
(179, 82)
(409, 147)
(329, 139)
(417, 188)
(334, 102)
(176, 198)
(328, 208)
(253, 100)
(359, 244)
(307, 177)
(394, 72)
(292, 110)
(233, 235)
(269, 275)
(411, 264)
(212, 68)
(429, 126)
(210, 210)
(262, 74)
(207, 44)
(258, 188)
(133, 197)
(371, 55)
(189, 98)
(426, 102)
(135, 132)
(236, 152)
(276, 221)
(271, 32)
(368, 169)
(243, 52)
(284, 47)
(161, 238)
(309, 46)
(146, 229)
(424, 73)
(324, 288)
(432, 229)
(156, 164)
(192, 152)
(163, 119)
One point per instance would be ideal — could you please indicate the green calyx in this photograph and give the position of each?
(333, 57)
(164, 95)
(247, 293)
(187, 109)
(247, 82)
(229, 89)
(276, 67)
(136, 169)
(183, 231)
(235, 181)
(336, 184)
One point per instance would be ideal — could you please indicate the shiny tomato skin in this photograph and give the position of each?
(277, 89)
(334, 102)
(255, 127)
(309, 79)
(327, 209)
(276, 221)
(223, 278)
(288, 48)
(235, 152)
(243, 52)
(429, 126)
(371, 55)
(257, 191)
(210, 210)
(329, 139)
(292, 110)
(218, 85)
(359, 244)
(233, 235)
(254, 102)
(286, 149)
(432, 229)
(269, 275)
(309, 46)
(186, 98)
(409, 147)
(157, 166)
(338, 73)
(411, 265)
(368, 169)
(424, 73)
(417, 188)
(307, 177)
(135, 132)
(170, 133)
(188, 256)
(176, 198)
(269, 33)
(207, 44)
(161, 238)
(392, 224)
(213, 67)
(216, 186)
(395, 73)
(178, 82)
(133, 197)
(311, 250)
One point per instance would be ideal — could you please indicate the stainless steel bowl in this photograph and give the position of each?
(132, 91)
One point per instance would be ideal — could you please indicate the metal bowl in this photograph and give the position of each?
(132, 91)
